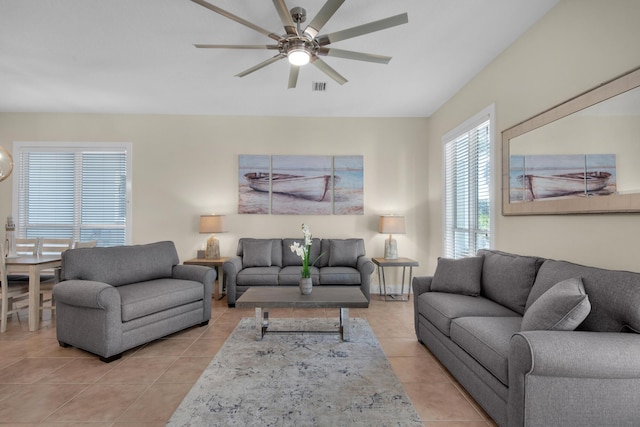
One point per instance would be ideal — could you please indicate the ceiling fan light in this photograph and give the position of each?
(298, 56)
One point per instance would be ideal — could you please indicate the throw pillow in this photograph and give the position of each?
(343, 253)
(561, 308)
(458, 276)
(256, 253)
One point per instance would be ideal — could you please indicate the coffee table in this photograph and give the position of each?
(265, 297)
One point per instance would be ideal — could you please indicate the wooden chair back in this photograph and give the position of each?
(86, 244)
(25, 247)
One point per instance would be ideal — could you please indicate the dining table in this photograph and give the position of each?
(33, 265)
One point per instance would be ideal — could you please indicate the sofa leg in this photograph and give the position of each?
(204, 323)
(231, 305)
(111, 358)
(63, 344)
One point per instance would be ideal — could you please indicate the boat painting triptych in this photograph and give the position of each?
(536, 177)
(297, 185)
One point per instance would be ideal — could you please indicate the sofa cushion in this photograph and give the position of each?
(441, 308)
(291, 275)
(561, 308)
(507, 278)
(486, 339)
(458, 276)
(343, 253)
(325, 250)
(256, 253)
(339, 276)
(258, 276)
(144, 298)
(276, 249)
(291, 258)
(614, 295)
(120, 265)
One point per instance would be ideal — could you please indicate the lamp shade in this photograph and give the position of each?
(212, 224)
(391, 224)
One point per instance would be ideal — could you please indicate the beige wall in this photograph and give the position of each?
(576, 46)
(185, 166)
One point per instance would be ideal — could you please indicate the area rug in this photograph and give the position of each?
(298, 379)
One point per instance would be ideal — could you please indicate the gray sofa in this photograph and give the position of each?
(113, 299)
(536, 342)
(270, 262)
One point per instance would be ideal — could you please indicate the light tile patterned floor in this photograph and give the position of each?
(42, 384)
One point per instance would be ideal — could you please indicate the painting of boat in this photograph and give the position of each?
(306, 187)
(544, 186)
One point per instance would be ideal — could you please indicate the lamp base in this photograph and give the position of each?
(213, 248)
(390, 249)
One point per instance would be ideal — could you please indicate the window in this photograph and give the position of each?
(468, 210)
(72, 191)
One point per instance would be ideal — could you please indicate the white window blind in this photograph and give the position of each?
(467, 189)
(74, 192)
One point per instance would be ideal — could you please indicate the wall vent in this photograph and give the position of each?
(318, 86)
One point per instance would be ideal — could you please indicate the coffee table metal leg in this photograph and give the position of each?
(262, 323)
(345, 324)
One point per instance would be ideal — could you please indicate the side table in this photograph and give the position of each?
(213, 263)
(400, 262)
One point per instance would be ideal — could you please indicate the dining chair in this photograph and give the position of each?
(24, 247)
(85, 244)
(48, 278)
(10, 292)
(27, 246)
(48, 246)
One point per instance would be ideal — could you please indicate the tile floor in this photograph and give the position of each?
(42, 384)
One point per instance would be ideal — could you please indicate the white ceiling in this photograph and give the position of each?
(137, 56)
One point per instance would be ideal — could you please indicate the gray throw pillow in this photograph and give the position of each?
(256, 253)
(343, 253)
(561, 308)
(458, 276)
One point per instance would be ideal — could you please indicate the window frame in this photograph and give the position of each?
(486, 114)
(76, 147)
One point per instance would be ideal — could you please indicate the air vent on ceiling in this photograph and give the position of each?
(318, 86)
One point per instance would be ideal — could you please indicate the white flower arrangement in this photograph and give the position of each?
(303, 251)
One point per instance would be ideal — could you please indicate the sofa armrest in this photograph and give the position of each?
(231, 268)
(420, 285)
(89, 316)
(366, 267)
(201, 274)
(197, 273)
(574, 378)
(86, 293)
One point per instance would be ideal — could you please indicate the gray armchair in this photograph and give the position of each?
(114, 299)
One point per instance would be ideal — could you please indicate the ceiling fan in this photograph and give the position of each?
(302, 46)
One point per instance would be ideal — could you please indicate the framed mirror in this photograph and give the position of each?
(6, 164)
(578, 157)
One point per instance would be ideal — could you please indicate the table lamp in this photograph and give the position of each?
(212, 224)
(391, 224)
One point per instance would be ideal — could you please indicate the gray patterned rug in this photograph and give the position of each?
(298, 379)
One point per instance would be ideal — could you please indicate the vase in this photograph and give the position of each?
(306, 286)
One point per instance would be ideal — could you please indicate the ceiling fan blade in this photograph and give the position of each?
(285, 17)
(327, 11)
(236, 46)
(293, 76)
(325, 68)
(360, 30)
(358, 56)
(261, 65)
(238, 19)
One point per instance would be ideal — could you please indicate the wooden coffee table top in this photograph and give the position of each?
(290, 297)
